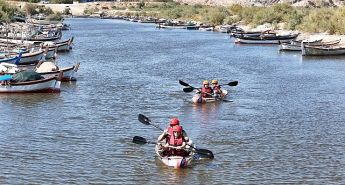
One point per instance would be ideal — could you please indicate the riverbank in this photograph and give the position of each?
(327, 21)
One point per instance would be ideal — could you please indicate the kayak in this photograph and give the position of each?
(197, 99)
(174, 161)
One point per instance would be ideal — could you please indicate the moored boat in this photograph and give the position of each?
(44, 85)
(31, 57)
(68, 72)
(323, 49)
(198, 99)
(295, 45)
(264, 39)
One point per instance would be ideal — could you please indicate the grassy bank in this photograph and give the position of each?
(323, 19)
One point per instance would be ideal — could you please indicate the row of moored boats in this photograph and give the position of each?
(28, 53)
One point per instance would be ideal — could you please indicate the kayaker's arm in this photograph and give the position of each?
(163, 136)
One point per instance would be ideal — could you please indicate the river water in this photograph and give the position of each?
(284, 126)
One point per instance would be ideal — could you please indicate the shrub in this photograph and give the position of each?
(55, 17)
(30, 9)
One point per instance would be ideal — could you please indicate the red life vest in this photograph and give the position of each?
(216, 90)
(206, 90)
(172, 140)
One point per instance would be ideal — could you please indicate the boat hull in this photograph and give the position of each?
(197, 99)
(31, 58)
(49, 85)
(68, 73)
(175, 161)
(322, 51)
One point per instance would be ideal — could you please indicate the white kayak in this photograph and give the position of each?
(174, 161)
(197, 99)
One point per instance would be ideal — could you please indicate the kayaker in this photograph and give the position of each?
(216, 88)
(206, 90)
(175, 138)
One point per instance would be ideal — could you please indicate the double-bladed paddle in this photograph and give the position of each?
(145, 120)
(232, 83)
(141, 141)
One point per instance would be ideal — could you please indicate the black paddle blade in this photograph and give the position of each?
(188, 89)
(233, 83)
(144, 119)
(183, 83)
(204, 153)
(139, 140)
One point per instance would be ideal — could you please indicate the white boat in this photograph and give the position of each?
(45, 69)
(31, 57)
(206, 28)
(46, 85)
(68, 72)
(197, 99)
(61, 46)
(289, 47)
(174, 161)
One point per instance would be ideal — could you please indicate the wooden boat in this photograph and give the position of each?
(10, 58)
(323, 49)
(171, 27)
(295, 45)
(61, 46)
(45, 85)
(197, 99)
(31, 57)
(174, 161)
(264, 39)
(68, 72)
(235, 31)
(208, 28)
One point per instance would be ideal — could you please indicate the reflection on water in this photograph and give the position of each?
(29, 99)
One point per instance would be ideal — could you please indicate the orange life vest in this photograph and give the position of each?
(172, 140)
(205, 92)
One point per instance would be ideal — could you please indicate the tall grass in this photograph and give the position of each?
(321, 19)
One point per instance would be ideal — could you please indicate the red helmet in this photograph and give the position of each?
(174, 121)
(177, 128)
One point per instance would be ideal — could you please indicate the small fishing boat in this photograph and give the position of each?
(323, 49)
(264, 38)
(60, 46)
(197, 99)
(174, 161)
(45, 69)
(44, 85)
(31, 57)
(68, 72)
(296, 45)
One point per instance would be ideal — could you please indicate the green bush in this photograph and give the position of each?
(30, 9)
(55, 17)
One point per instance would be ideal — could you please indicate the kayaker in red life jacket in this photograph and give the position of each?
(206, 90)
(216, 88)
(176, 137)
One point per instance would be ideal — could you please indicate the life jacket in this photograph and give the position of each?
(206, 90)
(216, 90)
(172, 140)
